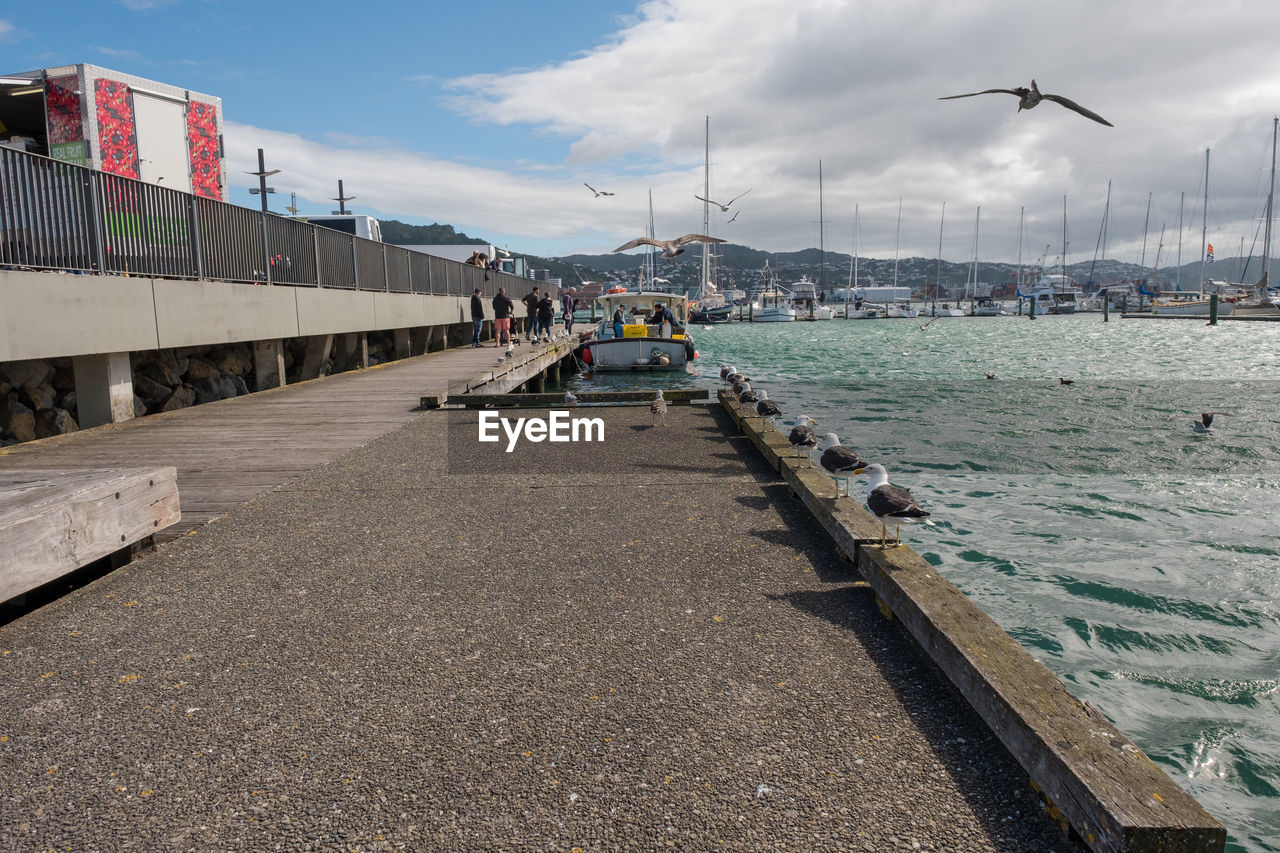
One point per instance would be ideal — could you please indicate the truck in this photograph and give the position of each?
(349, 223)
(462, 252)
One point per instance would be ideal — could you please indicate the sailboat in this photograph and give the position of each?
(805, 293)
(945, 309)
(979, 306)
(1196, 306)
(711, 306)
(1260, 303)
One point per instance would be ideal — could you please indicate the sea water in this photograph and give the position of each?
(1139, 560)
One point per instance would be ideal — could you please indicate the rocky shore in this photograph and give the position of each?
(38, 397)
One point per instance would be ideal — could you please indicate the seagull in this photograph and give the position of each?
(924, 326)
(570, 400)
(802, 434)
(1028, 98)
(658, 408)
(838, 460)
(741, 384)
(725, 370)
(724, 208)
(888, 501)
(670, 248)
(735, 216)
(597, 192)
(1062, 381)
(766, 408)
(747, 395)
(1205, 423)
(990, 375)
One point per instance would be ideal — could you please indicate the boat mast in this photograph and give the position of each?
(1142, 262)
(1178, 277)
(1204, 221)
(896, 235)
(1017, 288)
(649, 271)
(1266, 239)
(706, 207)
(1064, 243)
(937, 278)
(1102, 235)
(822, 249)
(974, 295)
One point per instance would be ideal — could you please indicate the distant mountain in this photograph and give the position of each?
(403, 234)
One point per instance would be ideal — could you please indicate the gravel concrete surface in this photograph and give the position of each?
(432, 644)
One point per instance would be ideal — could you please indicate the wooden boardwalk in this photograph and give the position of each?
(231, 451)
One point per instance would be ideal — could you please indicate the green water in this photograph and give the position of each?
(1138, 560)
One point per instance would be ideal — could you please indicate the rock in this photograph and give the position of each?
(64, 375)
(163, 369)
(17, 420)
(238, 384)
(68, 401)
(206, 390)
(139, 407)
(33, 373)
(199, 369)
(39, 396)
(55, 422)
(149, 389)
(182, 397)
(230, 361)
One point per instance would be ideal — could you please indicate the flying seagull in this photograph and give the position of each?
(597, 192)
(888, 501)
(1205, 421)
(1028, 98)
(724, 208)
(670, 248)
(735, 216)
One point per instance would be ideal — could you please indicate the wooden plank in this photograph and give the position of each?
(55, 521)
(1095, 780)
(506, 401)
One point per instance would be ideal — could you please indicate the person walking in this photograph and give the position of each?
(530, 301)
(502, 308)
(567, 304)
(477, 318)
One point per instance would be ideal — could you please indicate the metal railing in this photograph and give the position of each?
(60, 216)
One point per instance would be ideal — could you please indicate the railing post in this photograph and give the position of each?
(94, 220)
(193, 228)
(266, 251)
(315, 250)
(386, 274)
(355, 265)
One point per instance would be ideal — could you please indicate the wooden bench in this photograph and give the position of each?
(54, 522)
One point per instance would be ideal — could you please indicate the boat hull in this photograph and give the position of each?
(773, 315)
(1189, 308)
(636, 354)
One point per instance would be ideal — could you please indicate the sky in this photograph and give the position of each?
(491, 115)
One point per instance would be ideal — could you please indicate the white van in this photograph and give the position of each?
(351, 223)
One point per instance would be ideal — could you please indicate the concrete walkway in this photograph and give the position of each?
(432, 644)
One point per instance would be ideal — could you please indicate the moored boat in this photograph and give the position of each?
(643, 344)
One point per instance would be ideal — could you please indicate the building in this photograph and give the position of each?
(119, 124)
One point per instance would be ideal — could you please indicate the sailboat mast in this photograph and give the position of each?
(706, 207)
(1204, 221)
(937, 278)
(896, 235)
(977, 217)
(649, 270)
(822, 249)
(1178, 277)
(1018, 285)
(1102, 235)
(1146, 223)
(1271, 190)
(1064, 243)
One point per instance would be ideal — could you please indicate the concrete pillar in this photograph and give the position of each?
(318, 349)
(268, 363)
(353, 353)
(430, 339)
(362, 350)
(403, 345)
(104, 388)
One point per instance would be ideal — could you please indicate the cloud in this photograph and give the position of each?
(116, 53)
(6, 30)
(855, 85)
(146, 5)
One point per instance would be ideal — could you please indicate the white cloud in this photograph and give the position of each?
(6, 29)
(855, 84)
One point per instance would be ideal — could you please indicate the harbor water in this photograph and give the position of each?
(1139, 560)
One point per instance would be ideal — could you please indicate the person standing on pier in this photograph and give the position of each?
(477, 318)
(567, 303)
(502, 308)
(530, 301)
(546, 316)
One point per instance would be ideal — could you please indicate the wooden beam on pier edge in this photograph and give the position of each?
(54, 522)
(1095, 781)
(542, 401)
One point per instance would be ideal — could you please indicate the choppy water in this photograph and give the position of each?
(1139, 561)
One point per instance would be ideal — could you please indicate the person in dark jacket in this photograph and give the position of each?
(477, 317)
(546, 316)
(502, 308)
(530, 300)
(618, 321)
(567, 304)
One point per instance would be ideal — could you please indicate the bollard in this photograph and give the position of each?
(1213, 309)
(1106, 309)
(1031, 308)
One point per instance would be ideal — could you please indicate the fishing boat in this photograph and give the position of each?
(642, 344)
(985, 306)
(805, 301)
(711, 307)
(902, 309)
(771, 302)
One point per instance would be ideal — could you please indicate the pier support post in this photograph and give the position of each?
(1106, 309)
(1213, 309)
(354, 354)
(268, 364)
(553, 372)
(318, 349)
(403, 344)
(537, 384)
(104, 388)
(419, 337)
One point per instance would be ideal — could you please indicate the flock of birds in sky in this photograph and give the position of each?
(1028, 98)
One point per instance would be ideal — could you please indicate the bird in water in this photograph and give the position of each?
(658, 409)
(889, 501)
(670, 248)
(570, 400)
(747, 395)
(724, 208)
(839, 461)
(597, 192)
(1205, 421)
(766, 408)
(802, 434)
(990, 375)
(1028, 98)
(1062, 381)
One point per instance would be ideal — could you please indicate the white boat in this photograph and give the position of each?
(642, 345)
(805, 301)
(1047, 299)
(1171, 305)
(985, 306)
(772, 302)
(1259, 301)
(946, 309)
(1119, 296)
(902, 309)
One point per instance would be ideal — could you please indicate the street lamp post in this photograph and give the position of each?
(262, 189)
